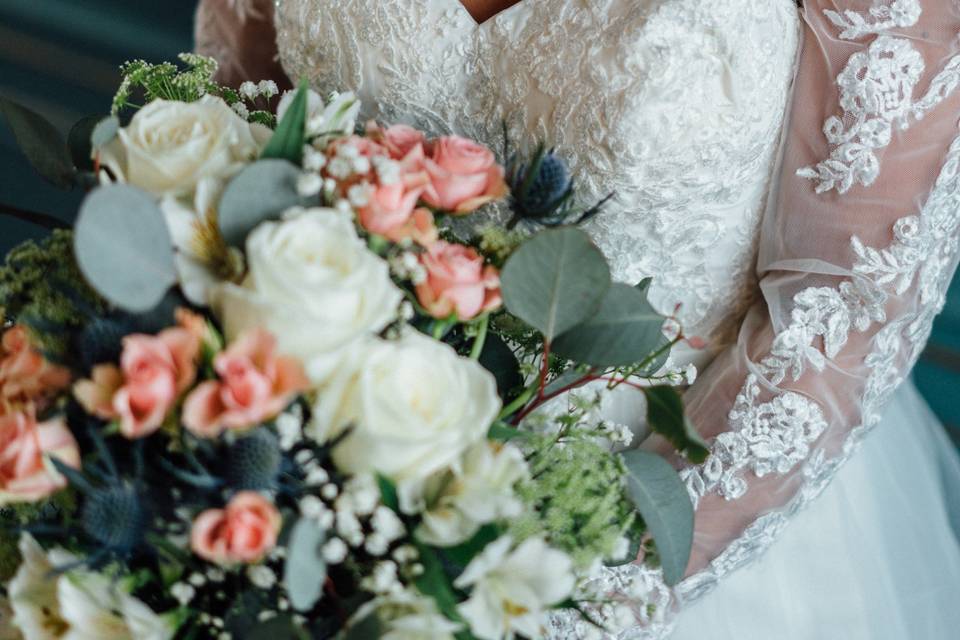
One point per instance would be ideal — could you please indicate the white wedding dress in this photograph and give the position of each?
(791, 179)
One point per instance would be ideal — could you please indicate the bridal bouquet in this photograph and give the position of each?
(261, 390)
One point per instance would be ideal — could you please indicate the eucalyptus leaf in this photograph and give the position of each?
(291, 132)
(105, 131)
(555, 280)
(503, 432)
(261, 192)
(499, 359)
(625, 330)
(665, 416)
(663, 501)
(366, 628)
(123, 247)
(281, 627)
(304, 570)
(40, 141)
(78, 140)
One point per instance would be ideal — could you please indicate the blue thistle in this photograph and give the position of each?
(541, 189)
(253, 462)
(116, 517)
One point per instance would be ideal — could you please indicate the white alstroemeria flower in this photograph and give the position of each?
(314, 284)
(203, 259)
(512, 590)
(477, 491)
(407, 615)
(78, 605)
(327, 120)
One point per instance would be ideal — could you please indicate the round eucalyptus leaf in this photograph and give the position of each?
(104, 131)
(78, 140)
(261, 192)
(41, 143)
(663, 502)
(123, 247)
(624, 331)
(555, 280)
(304, 570)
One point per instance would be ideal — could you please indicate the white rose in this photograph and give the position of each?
(312, 282)
(334, 119)
(170, 146)
(413, 406)
(512, 590)
(475, 492)
(82, 604)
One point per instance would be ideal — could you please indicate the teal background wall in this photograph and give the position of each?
(60, 57)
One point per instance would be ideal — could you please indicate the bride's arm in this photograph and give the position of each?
(857, 251)
(240, 35)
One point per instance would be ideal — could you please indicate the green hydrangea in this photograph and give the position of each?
(498, 244)
(577, 498)
(41, 286)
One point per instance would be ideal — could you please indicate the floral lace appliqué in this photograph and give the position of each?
(884, 15)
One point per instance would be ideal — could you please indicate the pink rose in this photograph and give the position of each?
(457, 282)
(399, 139)
(96, 395)
(391, 205)
(419, 227)
(25, 473)
(25, 375)
(243, 532)
(464, 175)
(255, 384)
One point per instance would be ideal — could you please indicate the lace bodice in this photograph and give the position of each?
(678, 106)
(674, 105)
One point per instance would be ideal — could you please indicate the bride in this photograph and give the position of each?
(791, 177)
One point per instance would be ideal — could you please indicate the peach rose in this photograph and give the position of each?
(399, 139)
(26, 475)
(390, 207)
(25, 375)
(154, 371)
(419, 227)
(464, 175)
(457, 282)
(243, 532)
(255, 384)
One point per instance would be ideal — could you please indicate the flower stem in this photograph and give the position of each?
(39, 219)
(481, 338)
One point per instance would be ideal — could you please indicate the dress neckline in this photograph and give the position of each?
(500, 15)
(492, 17)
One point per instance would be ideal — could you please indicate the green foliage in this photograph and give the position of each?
(167, 81)
(42, 287)
(555, 281)
(663, 501)
(261, 192)
(41, 143)
(291, 134)
(665, 416)
(497, 244)
(123, 247)
(305, 570)
(577, 497)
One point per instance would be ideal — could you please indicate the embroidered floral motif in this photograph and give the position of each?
(886, 15)
(876, 90)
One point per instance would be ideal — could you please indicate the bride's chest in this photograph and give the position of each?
(675, 105)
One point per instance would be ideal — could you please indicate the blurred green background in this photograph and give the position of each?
(60, 57)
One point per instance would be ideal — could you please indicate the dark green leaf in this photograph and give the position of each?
(305, 571)
(502, 432)
(364, 629)
(624, 331)
(123, 247)
(462, 554)
(663, 501)
(81, 150)
(665, 416)
(388, 493)
(498, 359)
(105, 131)
(261, 192)
(291, 133)
(433, 582)
(555, 280)
(281, 627)
(40, 141)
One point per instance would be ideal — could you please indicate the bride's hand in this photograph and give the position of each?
(241, 36)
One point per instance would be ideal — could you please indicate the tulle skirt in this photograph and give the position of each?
(875, 557)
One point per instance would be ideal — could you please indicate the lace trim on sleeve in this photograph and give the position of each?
(876, 93)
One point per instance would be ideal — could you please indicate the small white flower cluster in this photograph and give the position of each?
(252, 90)
(290, 427)
(406, 266)
(355, 514)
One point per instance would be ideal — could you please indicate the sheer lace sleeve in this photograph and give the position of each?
(239, 34)
(858, 247)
